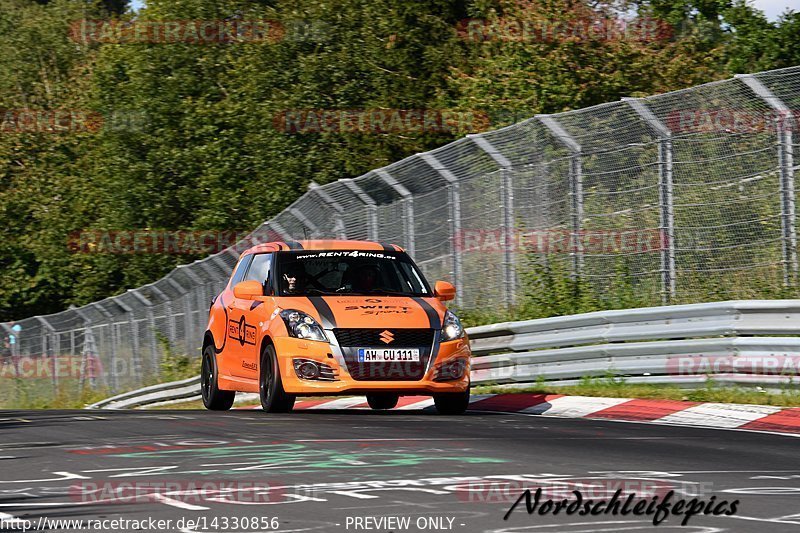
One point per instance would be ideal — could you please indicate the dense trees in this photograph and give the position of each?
(181, 135)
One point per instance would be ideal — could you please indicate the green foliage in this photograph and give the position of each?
(174, 366)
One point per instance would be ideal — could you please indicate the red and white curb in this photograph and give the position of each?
(763, 418)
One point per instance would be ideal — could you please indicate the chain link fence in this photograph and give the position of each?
(678, 198)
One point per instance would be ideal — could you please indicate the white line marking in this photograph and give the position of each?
(175, 503)
(649, 423)
(719, 414)
(573, 406)
(393, 440)
(341, 403)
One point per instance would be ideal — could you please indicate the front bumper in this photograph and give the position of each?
(289, 348)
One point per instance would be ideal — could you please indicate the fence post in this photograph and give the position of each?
(575, 189)
(456, 238)
(223, 266)
(135, 363)
(156, 362)
(507, 188)
(783, 125)
(114, 379)
(338, 226)
(194, 332)
(408, 204)
(151, 323)
(665, 197)
(296, 213)
(214, 280)
(47, 348)
(372, 208)
(173, 322)
(85, 363)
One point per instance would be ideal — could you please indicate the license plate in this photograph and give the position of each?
(382, 355)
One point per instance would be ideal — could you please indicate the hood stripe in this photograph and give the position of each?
(433, 316)
(324, 311)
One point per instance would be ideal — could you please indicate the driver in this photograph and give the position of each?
(366, 278)
(294, 279)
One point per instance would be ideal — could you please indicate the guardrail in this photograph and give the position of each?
(744, 342)
(747, 342)
(188, 389)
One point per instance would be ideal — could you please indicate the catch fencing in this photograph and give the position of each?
(677, 198)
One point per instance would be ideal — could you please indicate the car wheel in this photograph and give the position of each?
(273, 398)
(382, 401)
(454, 403)
(213, 398)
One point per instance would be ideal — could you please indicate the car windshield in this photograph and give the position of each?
(352, 272)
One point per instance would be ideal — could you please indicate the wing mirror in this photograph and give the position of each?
(248, 290)
(444, 290)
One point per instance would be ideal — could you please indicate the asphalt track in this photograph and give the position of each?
(332, 471)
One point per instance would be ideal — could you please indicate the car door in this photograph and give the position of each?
(244, 319)
(220, 319)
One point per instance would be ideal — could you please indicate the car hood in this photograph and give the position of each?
(369, 312)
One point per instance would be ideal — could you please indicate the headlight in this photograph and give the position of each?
(452, 328)
(302, 326)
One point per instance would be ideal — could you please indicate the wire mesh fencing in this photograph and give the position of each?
(676, 198)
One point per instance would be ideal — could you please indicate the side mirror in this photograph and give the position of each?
(444, 290)
(248, 290)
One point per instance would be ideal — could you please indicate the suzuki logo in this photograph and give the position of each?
(386, 336)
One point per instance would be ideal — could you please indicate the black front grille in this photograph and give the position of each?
(401, 338)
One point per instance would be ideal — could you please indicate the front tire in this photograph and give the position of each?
(452, 403)
(214, 399)
(274, 398)
(382, 401)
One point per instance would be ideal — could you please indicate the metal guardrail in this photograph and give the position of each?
(744, 342)
(174, 390)
(683, 344)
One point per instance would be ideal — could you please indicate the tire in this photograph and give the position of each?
(214, 399)
(381, 401)
(454, 403)
(273, 398)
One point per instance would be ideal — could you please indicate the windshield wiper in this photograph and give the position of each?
(388, 293)
(313, 290)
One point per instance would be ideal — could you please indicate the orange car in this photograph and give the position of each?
(321, 318)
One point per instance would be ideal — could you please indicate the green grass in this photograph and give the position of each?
(617, 388)
(190, 405)
(42, 393)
